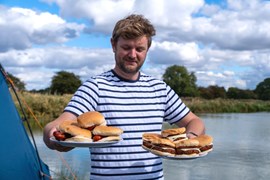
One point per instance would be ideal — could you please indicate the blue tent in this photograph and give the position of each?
(18, 157)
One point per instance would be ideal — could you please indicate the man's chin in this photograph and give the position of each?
(131, 69)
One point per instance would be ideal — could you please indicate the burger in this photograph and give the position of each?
(157, 145)
(70, 131)
(90, 120)
(174, 134)
(205, 143)
(187, 148)
(106, 133)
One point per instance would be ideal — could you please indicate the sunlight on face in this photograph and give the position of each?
(130, 55)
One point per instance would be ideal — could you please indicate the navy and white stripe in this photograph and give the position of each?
(136, 107)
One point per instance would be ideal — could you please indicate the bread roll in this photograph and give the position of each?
(107, 131)
(74, 130)
(187, 143)
(173, 131)
(204, 140)
(79, 139)
(91, 118)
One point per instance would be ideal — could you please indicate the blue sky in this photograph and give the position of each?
(226, 43)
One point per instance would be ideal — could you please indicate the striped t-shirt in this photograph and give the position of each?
(135, 106)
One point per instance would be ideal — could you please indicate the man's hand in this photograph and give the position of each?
(193, 124)
(51, 127)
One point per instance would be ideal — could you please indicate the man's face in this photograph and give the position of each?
(130, 55)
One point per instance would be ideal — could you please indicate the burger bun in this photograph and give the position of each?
(91, 118)
(74, 130)
(107, 131)
(79, 139)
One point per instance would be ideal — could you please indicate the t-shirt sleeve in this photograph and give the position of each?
(175, 109)
(84, 99)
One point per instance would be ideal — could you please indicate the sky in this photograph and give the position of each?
(225, 43)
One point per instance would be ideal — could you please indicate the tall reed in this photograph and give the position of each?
(199, 105)
(47, 107)
(44, 107)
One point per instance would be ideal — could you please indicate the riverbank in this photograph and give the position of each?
(46, 107)
(199, 105)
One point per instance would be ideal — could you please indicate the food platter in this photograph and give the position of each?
(178, 157)
(84, 144)
(184, 157)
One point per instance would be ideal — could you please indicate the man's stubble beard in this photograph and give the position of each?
(128, 70)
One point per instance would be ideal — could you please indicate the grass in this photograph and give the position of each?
(44, 107)
(47, 107)
(198, 105)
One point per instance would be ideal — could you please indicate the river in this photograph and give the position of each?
(241, 151)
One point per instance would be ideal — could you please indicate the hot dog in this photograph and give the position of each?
(70, 131)
(106, 133)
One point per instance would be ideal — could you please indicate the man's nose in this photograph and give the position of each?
(132, 53)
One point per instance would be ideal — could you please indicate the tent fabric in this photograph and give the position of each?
(18, 157)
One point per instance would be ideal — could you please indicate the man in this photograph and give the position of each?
(131, 100)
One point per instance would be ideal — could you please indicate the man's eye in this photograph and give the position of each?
(126, 48)
(140, 49)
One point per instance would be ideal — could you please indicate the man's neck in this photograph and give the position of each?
(127, 76)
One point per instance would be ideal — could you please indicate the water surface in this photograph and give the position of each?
(241, 151)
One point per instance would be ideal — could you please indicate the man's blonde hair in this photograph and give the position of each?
(133, 26)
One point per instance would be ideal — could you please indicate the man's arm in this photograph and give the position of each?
(51, 127)
(193, 124)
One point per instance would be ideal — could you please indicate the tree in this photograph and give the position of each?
(20, 85)
(235, 93)
(181, 81)
(65, 83)
(212, 92)
(263, 89)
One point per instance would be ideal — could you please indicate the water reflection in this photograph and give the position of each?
(241, 151)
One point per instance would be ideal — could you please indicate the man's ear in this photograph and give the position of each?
(113, 44)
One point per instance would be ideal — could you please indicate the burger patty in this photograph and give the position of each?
(207, 147)
(179, 138)
(159, 147)
(187, 151)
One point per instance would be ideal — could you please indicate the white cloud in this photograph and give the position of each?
(21, 28)
(36, 66)
(174, 53)
(225, 45)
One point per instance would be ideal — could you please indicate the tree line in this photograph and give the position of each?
(177, 77)
(184, 84)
